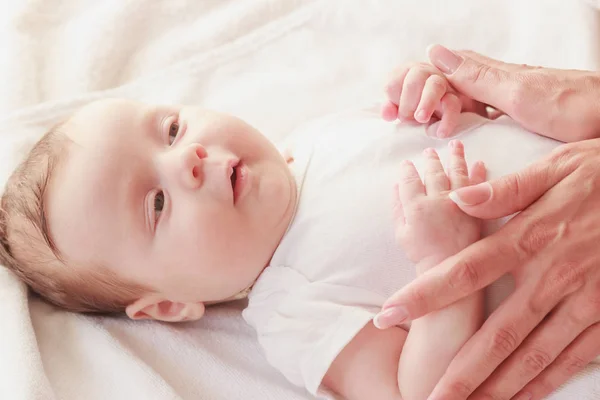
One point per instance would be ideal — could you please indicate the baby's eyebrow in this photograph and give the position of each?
(151, 121)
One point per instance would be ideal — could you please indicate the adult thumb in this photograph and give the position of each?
(508, 194)
(484, 79)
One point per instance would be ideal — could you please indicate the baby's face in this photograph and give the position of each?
(189, 202)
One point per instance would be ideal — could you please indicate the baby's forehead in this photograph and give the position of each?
(103, 116)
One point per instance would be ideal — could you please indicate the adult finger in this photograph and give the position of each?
(492, 62)
(511, 193)
(499, 337)
(456, 277)
(572, 360)
(483, 79)
(535, 354)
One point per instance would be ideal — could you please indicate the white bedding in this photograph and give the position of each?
(275, 63)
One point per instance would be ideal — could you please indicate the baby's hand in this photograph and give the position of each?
(418, 92)
(428, 223)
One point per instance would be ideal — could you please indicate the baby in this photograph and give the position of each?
(159, 211)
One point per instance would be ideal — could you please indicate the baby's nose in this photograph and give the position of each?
(192, 165)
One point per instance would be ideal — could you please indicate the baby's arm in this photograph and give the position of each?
(431, 228)
(367, 368)
(433, 341)
(391, 364)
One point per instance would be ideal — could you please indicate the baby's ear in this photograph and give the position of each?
(164, 310)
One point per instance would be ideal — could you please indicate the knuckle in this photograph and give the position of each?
(587, 313)
(419, 297)
(451, 102)
(482, 73)
(413, 84)
(568, 153)
(420, 67)
(565, 277)
(461, 389)
(409, 178)
(436, 175)
(535, 361)
(535, 237)
(504, 341)
(513, 185)
(436, 83)
(459, 170)
(517, 97)
(572, 364)
(418, 210)
(464, 277)
(537, 304)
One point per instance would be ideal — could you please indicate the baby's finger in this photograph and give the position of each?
(414, 83)
(458, 170)
(436, 180)
(389, 111)
(410, 186)
(398, 209)
(451, 107)
(478, 173)
(393, 89)
(435, 88)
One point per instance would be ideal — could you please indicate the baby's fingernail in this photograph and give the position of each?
(444, 59)
(390, 317)
(472, 195)
(441, 133)
(421, 116)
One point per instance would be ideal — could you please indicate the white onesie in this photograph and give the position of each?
(338, 261)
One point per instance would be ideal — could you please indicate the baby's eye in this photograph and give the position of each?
(159, 203)
(173, 131)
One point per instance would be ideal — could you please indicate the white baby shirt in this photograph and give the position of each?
(339, 261)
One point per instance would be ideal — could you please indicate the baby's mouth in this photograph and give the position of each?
(233, 176)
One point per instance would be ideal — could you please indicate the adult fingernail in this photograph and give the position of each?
(390, 317)
(444, 59)
(472, 195)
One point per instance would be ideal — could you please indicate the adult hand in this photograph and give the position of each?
(547, 329)
(561, 104)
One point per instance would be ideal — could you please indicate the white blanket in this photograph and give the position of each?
(275, 63)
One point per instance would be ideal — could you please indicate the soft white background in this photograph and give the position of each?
(276, 63)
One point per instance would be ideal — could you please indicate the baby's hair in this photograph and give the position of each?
(27, 248)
